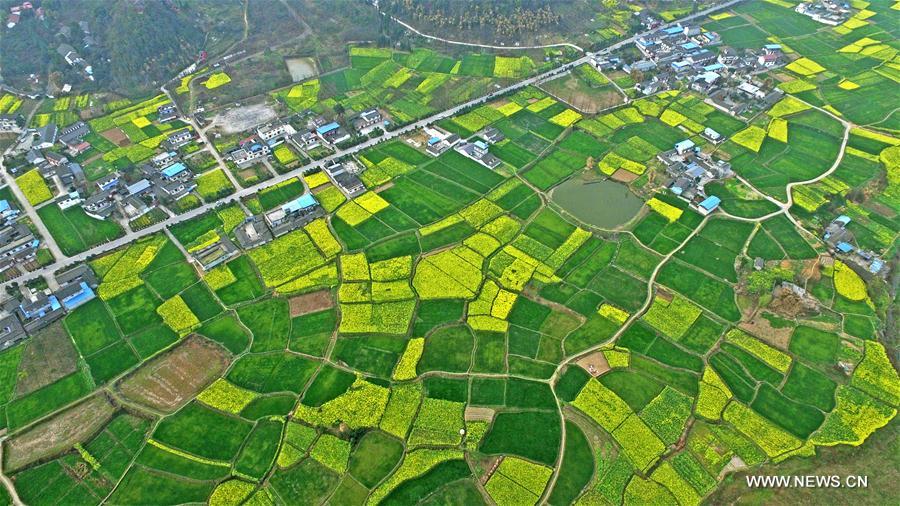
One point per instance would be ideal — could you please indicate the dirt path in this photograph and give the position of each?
(7, 482)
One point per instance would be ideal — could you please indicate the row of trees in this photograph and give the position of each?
(502, 18)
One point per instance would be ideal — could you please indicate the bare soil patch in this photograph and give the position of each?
(300, 68)
(585, 97)
(243, 118)
(48, 356)
(762, 328)
(311, 302)
(58, 433)
(624, 176)
(473, 414)
(595, 363)
(170, 380)
(116, 136)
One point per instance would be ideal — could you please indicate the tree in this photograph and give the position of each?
(763, 280)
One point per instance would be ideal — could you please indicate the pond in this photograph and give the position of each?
(604, 204)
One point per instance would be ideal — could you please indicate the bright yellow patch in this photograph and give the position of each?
(847, 85)
(216, 80)
(668, 211)
(141, 122)
(316, 179)
(806, 67)
(566, 118)
(372, 202)
(778, 129)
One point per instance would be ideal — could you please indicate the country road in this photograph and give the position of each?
(62, 261)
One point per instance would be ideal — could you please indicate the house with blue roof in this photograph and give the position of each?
(684, 146)
(75, 295)
(294, 214)
(709, 204)
(174, 171)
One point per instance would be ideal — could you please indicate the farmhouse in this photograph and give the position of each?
(164, 159)
(10, 122)
(332, 133)
(17, 245)
(108, 182)
(178, 139)
(293, 214)
(11, 331)
(439, 140)
(253, 232)
(273, 132)
(367, 121)
(478, 151)
(347, 181)
(38, 310)
(99, 205)
(47, 136)
(75, 294)
(709, 204)
(305, 140)
(215, 254)
(70, 200)
(8, 213)
(250, 151)
(166, 113)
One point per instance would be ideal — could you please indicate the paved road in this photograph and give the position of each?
(63, 261)
(31, 212)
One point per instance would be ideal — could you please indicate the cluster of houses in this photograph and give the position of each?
(829, 12)
(18, 244)
(841, 240)
(23, 9)
(262, 228)
(36, 309)
(479, 149)
(688, 170)
(163, 179)
(681, 54)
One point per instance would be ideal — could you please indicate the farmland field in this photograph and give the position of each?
(450, 333)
